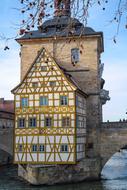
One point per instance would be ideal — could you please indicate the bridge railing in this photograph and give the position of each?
(114, 124)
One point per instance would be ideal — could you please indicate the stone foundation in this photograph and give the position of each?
(88, 169)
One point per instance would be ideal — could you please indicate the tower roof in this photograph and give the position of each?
(63, 26)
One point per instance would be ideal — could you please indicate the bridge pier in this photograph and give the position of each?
(88, 169)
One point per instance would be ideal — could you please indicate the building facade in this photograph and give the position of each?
(6, 124)
(6, 113)
(58, 104)
(50, 121)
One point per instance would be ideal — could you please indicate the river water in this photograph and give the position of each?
(114, 177)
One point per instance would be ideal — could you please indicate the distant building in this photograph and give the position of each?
(6, 122)
(6, 113)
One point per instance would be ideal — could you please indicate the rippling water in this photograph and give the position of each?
(114, 173)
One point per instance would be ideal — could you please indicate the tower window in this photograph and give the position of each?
(32, 122)
(48, 121)
(63, 100)
(64, 148)
(24, 102)
(65, 122)
(21, 122)
(75, 55)
(43, 101)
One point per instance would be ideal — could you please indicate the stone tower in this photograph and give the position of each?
(77, 50)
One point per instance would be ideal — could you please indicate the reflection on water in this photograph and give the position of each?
(115, 171)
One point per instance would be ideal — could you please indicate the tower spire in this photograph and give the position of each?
(62, 8)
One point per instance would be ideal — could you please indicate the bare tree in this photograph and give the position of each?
(34, 12)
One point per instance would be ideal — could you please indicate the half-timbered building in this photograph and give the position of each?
(50, 115)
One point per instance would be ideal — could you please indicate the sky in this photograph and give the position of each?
(114, 56)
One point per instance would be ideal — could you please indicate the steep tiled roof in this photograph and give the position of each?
(6, 105)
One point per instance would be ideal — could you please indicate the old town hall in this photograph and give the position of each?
(61, 92)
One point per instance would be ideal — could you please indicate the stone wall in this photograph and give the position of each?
(88, 169)
(89, 80)
(113, 137)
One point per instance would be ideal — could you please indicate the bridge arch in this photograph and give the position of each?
(113, 137)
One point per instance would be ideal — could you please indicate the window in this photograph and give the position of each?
(75, 55)
(61, 5)
(32, 122)
(48, 121)
(34, 148)
(64, 148)
(63, 100)
(65, 122)
(43, 68)
(52, 83)
(24, 102)
(41, 148)
(21, 122)
(43, 101)
(35, 84)
(20, 148)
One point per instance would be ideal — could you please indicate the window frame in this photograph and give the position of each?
(33, 146)
(20, 148)
(24, 102)
(45, 102)
(50, 122)
(43, 148)
(24, 122)
(63, 101)
(53, 83)
(64, 148)
(44, 68)
(66, 122)
(75, 55)
(34, 84)
(32, 126)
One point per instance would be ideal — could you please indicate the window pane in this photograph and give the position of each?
(32, 122)
(20, 148)
(52, 83)
(65, 122)
(43, 100)
(24, 102)
(64, 148)
(48, 122)
(34, 148)
(21, 122)
(63, 100)
(43, 68)
(35, 84)
(41, 148)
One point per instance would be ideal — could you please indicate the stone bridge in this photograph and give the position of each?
(6, 140)
(113, 137)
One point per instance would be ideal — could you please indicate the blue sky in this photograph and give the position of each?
(114, 57)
